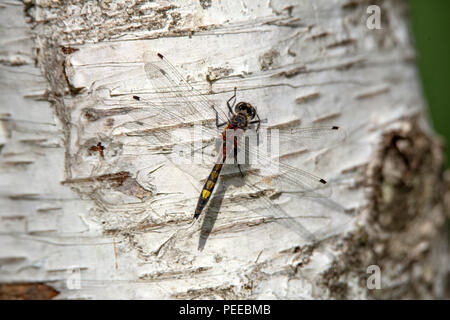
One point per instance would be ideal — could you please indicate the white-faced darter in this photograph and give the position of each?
(178, 104)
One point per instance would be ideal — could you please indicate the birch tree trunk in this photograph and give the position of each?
(87, 212)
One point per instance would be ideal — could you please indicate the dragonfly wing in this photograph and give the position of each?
(249, 202)
(166, 80)
(172, 114)
(281, 176)
(294, 140)
(148, 122)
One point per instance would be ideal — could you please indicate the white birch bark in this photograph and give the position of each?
(91, 224)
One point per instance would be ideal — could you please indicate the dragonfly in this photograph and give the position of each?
(174, 103)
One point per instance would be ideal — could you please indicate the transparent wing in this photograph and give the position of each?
(259, 201)
(171, 105)
(285, 178)
(278, 174)
(169, 83)
(314, 137)
(165, 128)
(297, 140)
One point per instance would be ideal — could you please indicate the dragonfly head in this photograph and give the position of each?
(246, 108)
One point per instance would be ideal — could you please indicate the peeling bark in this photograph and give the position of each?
(27, 291)
(82, 200)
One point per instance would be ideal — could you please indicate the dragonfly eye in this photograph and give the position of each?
(238, 107)
(252, 112)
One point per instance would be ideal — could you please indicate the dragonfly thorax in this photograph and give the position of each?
(240, 120)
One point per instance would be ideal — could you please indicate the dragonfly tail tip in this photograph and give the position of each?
(322, 181)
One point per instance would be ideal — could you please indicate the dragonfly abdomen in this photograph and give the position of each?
(208, 189)
(213, 176)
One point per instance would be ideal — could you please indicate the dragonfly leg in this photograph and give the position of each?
(230, 108)
(218, 125)
(236, 161)
(258, 122)
(240, 170)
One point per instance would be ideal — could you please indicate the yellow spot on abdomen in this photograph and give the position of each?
(205, 194)
(209, 185)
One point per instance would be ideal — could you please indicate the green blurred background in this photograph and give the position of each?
(430, 21)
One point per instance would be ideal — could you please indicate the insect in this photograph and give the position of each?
(242, 117)
(175, 103)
